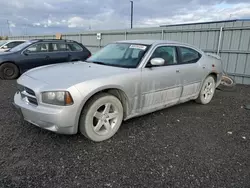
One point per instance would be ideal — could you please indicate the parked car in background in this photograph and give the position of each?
(123, 80)
(6, 45)
(39, 52)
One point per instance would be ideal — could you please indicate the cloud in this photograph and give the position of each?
(203, 14)
(76, 22)
(46, 17)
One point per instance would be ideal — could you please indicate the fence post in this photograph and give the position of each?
(162, 34)
(100, 43)
(125, 35)
(219, 42)
(80, 37)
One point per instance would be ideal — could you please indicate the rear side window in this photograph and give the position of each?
(59, 47)
(18, 42)
(75, 47)
(189, 55)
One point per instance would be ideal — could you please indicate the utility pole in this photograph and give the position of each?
(26, 25)
(132, 13)
(8, 23)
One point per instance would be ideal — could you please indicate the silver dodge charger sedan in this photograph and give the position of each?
(123, 80)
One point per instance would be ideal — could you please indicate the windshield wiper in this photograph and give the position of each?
(107, 64)
(96, 62)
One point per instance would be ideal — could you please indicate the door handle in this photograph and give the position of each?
(47, 57)
(178, 71)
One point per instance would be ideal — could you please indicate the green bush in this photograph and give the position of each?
(3, 38)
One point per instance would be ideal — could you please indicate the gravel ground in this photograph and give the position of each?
(188, 145)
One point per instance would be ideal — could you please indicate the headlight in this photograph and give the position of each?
(62, 98)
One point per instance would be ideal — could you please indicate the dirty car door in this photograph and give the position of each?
(161, 85)
(191, 71)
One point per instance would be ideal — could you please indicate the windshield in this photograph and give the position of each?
(20, 46)
(125, 55)
(2, 42)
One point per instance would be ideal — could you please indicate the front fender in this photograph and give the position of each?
(89, 94)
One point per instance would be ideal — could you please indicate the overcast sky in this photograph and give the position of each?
(50, 16)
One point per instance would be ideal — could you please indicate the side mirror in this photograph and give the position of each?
(25, 53)
(157, 61)
(5, 47)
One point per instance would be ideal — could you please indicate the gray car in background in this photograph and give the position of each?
(123, 80)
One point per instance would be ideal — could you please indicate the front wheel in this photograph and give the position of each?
(101, 117)
(9, 71)
(207, 91)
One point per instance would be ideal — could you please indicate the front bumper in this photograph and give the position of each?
(59, 120)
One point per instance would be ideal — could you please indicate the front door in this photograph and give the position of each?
(34, 56)
(161, 85)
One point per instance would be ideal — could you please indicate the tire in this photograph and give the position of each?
(96, 123)
(227, 84)
(207, 91)
(9, 71)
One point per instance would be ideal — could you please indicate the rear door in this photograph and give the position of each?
(191, 72)
(59, 52)
(35, 55)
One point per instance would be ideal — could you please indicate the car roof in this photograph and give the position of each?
(51, 40)
(156, 42)
(150, 42)
(13, 40)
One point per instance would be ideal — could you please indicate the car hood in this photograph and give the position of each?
(4, 53)
(69, 74)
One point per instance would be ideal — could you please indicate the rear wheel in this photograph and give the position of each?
(9, 71)
(207, 91)
(101, 117)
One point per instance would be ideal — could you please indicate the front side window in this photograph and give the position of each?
(2, 42)
(13, 44)
(125, 55)
(168, 53)
(10, 45)
(189, 55)
(38, 48)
